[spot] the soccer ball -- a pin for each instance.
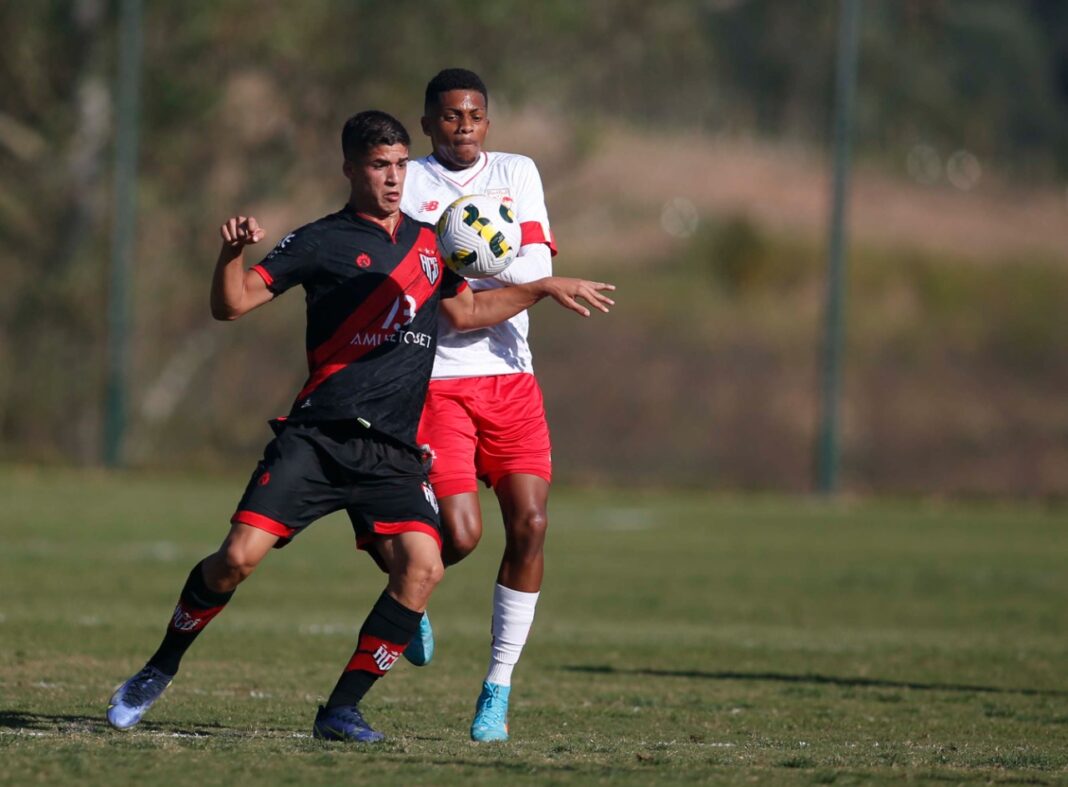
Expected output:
(479, 236)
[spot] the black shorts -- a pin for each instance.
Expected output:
(311, 470)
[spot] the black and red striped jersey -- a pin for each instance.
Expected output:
(372, 307)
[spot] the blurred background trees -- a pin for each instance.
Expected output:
(682, 146)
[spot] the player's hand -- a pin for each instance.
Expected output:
(566, 292)
(240, 231)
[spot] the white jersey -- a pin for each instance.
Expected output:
(514, 180)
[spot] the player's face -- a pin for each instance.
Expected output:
(377, 180)
(457, 128)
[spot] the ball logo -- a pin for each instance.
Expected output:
(479, 236)
(363, 261)
(493, 237)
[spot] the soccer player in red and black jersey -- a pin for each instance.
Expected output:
(374, 281)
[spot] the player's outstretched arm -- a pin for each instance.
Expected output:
(534, 262)
(471, 310)
(234, 290)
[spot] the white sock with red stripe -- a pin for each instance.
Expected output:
(513, 614)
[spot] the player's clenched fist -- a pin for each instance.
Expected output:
(238, 231)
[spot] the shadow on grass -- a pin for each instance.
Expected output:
(827, 680)
(44, 722)
(42, 725)
(66, 724)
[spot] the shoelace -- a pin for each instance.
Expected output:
(353, 716)
(141, 687)
(493, 708)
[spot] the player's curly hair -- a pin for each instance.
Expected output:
(368, 129)
(452, 79)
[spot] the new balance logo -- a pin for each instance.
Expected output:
(428, 206)
(385, 658)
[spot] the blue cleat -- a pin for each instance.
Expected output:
(421, 649)
(344, 723)
(133, 698)
(491, 714)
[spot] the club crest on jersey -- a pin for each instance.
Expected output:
(431, 266)
(501, 195)
(363, 261)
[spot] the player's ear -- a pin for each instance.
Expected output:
(424, 122)
(346, 168)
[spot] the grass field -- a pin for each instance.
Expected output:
(681, 638)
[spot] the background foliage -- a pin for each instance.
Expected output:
(680, 143)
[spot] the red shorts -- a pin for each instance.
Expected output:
(485, 428)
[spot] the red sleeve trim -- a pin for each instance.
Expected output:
(533, 232)
(261, 522)
(267, 278)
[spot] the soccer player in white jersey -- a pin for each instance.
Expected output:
(484, 417)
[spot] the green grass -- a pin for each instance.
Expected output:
(681, 638)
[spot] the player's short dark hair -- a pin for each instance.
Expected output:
(452, 79)
(369, 129)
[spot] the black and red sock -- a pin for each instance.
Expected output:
(197, 605)
(384, 636)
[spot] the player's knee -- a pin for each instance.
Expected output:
(422, 574)
(526, 530)
(435, 573)
(234, 565)
(463, 541)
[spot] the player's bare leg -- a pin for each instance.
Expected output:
(414, 564)
(523, 499)
(461, 523)
(207, 590)
(245, 546)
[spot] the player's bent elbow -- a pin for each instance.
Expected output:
(224, 312)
